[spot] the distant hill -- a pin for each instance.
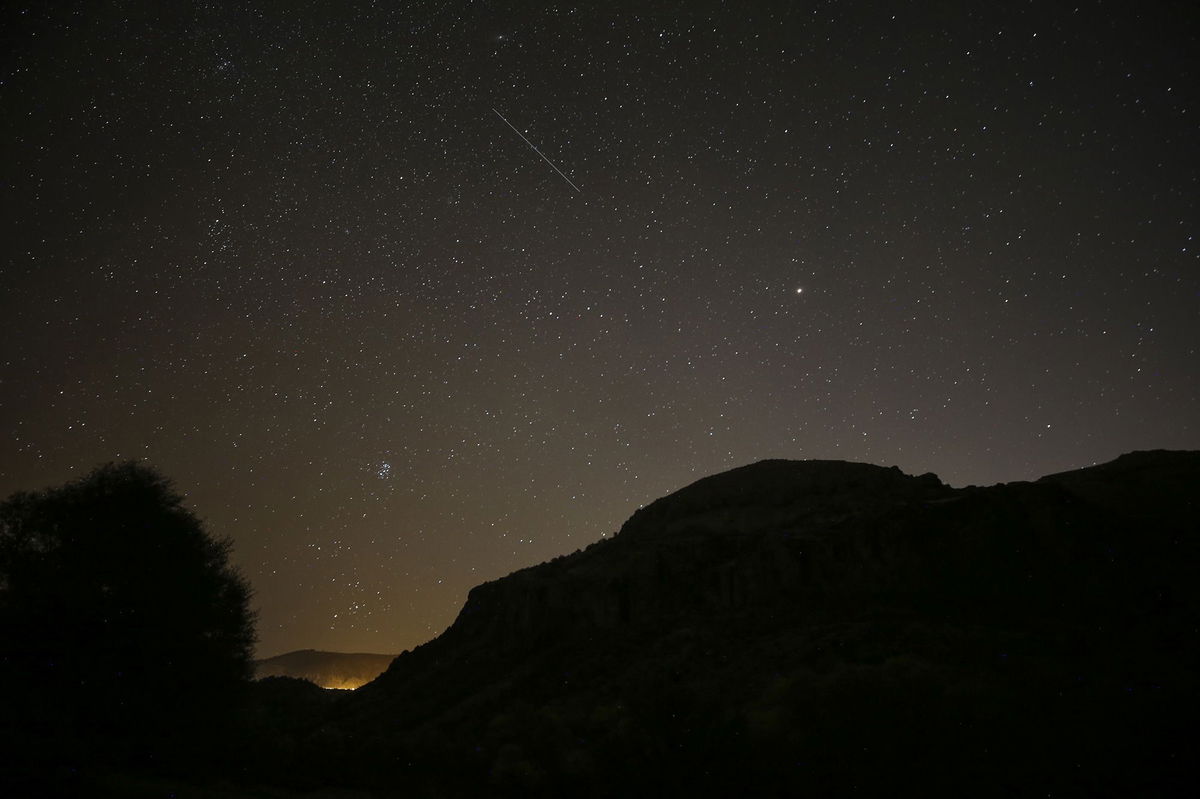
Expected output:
(817, 628)
(346, 670)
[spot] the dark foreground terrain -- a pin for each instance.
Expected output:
(790, 628)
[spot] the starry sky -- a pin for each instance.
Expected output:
(407, 296)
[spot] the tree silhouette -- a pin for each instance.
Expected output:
(124, 630)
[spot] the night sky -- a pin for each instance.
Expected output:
(293, 256)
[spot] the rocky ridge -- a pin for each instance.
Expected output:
(746, 616)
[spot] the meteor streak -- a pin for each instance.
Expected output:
(536, 150)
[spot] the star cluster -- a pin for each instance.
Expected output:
(289, 254)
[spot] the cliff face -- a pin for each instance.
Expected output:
(765, 602)
(746, 538)
(785, 532)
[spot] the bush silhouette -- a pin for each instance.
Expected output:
(125, 633)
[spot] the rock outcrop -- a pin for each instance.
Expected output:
(741, 539)
(795, 531)
(815, 611)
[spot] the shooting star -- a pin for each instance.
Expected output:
(536, 150)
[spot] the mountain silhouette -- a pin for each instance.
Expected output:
(341, 670)
(820, 626)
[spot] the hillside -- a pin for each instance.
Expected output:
(820, 627)
(342, 670)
